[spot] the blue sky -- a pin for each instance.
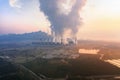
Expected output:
(21, 16)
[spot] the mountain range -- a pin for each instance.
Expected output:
(33, 36)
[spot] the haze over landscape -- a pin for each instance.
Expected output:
(100, 19)
(59, 40)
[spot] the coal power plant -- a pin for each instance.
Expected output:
(36, 38)
(53, 40)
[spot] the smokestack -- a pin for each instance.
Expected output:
(75, 40)
(61, 40)
(53, 34)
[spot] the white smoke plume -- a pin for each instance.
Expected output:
(63, 14)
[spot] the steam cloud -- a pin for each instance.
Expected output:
(63, 14)
(15, 3)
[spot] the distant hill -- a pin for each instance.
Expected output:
(34, 36)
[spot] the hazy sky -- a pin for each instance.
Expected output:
(20, 16)
(101, 18)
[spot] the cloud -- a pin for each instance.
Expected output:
(15, 3)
